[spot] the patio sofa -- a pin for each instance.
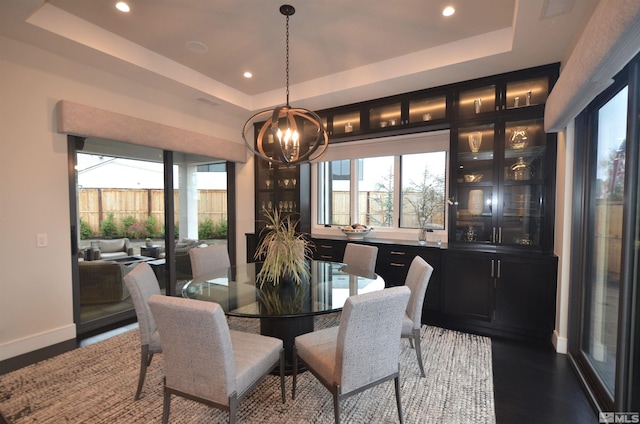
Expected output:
(101, 282)
(110, 249)
(183, 260)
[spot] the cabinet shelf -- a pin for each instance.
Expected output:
(534, 151)
(473, 157)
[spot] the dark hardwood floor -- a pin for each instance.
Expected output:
(534, 384)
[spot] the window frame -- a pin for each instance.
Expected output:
(397, 146)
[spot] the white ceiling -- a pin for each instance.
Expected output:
(341, 51)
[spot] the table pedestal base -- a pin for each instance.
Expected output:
(286, 329)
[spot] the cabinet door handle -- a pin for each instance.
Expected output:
(326, 246)
(499, 273)
(394, 252)
(493, 238)
(500, 235)
(396, 264)
(493, 267)
(326, 257)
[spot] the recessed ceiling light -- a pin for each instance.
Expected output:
(448, 11)
(122, 6)
(196, 47)
(247, 74)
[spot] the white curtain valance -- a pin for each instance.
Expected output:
(609, 41)
(86, 121)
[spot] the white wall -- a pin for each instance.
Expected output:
(35, 283)
(562, 236)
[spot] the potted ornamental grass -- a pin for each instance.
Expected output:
(284, 250)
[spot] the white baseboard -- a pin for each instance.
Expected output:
(560, 343)
(34, 342)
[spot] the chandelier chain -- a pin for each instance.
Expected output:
(287, 72)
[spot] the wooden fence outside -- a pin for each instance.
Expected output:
(95, 204)
(371, 213)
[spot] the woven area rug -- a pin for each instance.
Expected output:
(96, 384)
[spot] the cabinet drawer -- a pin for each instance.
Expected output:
(328, 250)
(393, 264)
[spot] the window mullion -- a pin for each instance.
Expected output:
(397, 178)
(353, 210)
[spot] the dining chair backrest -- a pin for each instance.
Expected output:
(196, 330)
(367, 346)
(361, 256)
(417, 280)
(208, 259)
(142, 284)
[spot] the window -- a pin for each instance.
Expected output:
(334, 205)
(423, 190)
(402, 189)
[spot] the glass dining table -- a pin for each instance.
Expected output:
(287, 310)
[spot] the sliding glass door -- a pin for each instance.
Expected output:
(200, 210)
(133, 204)
(604, 335)
(604, 235)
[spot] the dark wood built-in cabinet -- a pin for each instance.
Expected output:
(392, 264)
(502, 183)
(501, 294)
(496, 274)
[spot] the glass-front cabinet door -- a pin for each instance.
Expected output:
(474, 167)
(276, 189)
(531, 92)
(477, 102)
(345, 124)
(523, 183)
(386, 116)
(500, 184)
(424, 110)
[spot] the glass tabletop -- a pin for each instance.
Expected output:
(236, 290)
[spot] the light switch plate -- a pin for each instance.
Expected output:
(41, 240)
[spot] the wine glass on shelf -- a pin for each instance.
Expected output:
(268, 183)
(286, 182)
(294, 181)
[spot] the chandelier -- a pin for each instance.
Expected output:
(289, 135)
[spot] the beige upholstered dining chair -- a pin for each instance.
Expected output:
(417, 280)
(223, 366)
(362, 352)
(361, 256)
(142, 284)
(208, 259)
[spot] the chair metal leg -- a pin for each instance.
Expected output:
(396, 382)
(145, 361)
(282, 388)
(165, 406)
(416, 338)
(295, 372)
(336, 407)
(233, 409)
